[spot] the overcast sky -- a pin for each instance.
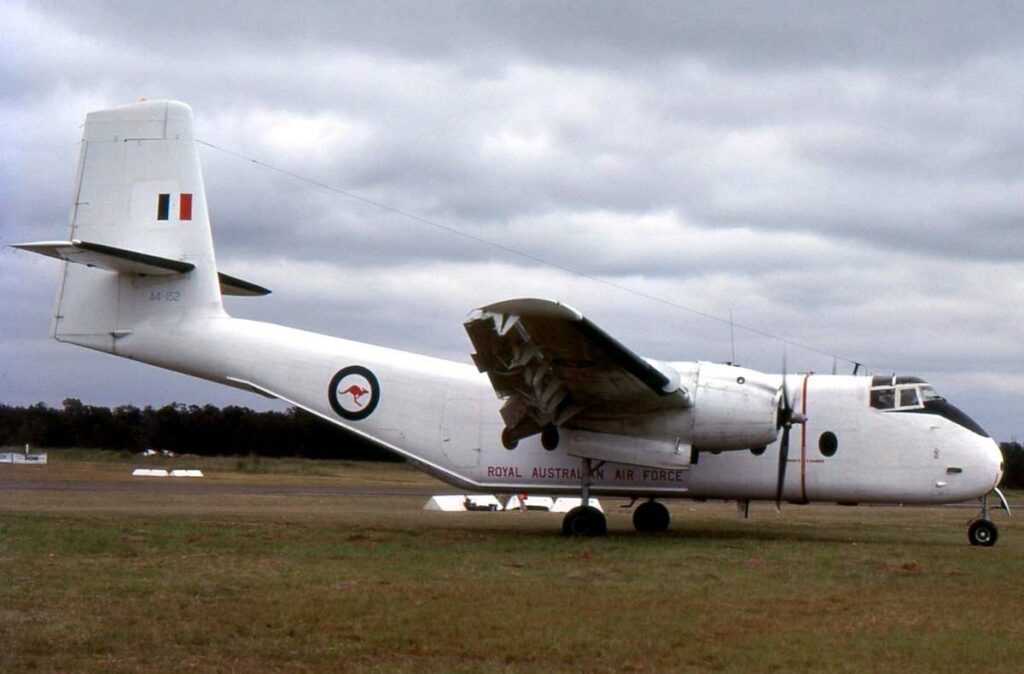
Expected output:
(847, 177)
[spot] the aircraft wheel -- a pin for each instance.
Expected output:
(651, 516)
(507, 440)
(549, 437)
(584, 521)
(983, 532)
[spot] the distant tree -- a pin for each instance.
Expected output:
(1013, 457)
(192, 429)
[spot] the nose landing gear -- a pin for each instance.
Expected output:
(983, 530)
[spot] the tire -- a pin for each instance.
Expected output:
(506, 439)
(983, 533)
(549, 437)
(651, 516)
(584, 521)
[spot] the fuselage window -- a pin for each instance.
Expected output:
(828, 443)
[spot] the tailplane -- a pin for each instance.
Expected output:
(139, 250)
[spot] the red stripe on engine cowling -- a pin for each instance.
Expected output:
(185, 207)
(803, 442)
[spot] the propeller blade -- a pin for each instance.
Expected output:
(785, 406)
(783, 460)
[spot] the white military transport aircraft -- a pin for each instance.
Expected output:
(575, 410)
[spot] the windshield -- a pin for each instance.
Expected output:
(912, 394)
(899, 397)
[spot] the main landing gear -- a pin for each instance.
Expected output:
(651, 516)
(585, 519)
(983, 530)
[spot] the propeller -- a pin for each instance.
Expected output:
(786, 417)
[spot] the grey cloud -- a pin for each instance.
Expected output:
(748, 35)
(845, 176)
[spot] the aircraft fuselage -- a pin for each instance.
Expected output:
(444, 417)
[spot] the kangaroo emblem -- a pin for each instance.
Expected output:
(356, 392)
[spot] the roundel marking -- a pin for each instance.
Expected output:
(354, 392)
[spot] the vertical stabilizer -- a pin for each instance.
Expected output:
(140, 191)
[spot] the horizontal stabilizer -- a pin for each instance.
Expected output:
(133, 262)
(229, 285)
(108, 257)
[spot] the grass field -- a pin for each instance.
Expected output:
(99, 575)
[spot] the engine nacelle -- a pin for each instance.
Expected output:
(734, 407)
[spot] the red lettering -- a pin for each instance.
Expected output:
(503, 471)
(662, 475)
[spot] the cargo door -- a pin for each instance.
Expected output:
(460, 431)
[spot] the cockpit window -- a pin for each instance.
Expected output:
(890, 393)
(905, 396)
(883, 398)
(908, 397)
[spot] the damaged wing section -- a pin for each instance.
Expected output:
(554, 367)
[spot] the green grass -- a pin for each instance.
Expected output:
(126, 581)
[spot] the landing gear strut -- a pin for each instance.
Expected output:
(585, 519)
(651, 516)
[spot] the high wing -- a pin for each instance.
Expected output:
(554, 367)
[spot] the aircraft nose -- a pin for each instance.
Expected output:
(994, 461)
(983, 464)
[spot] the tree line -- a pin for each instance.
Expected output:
(184, 429)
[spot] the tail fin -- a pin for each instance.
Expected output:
(139, 229)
